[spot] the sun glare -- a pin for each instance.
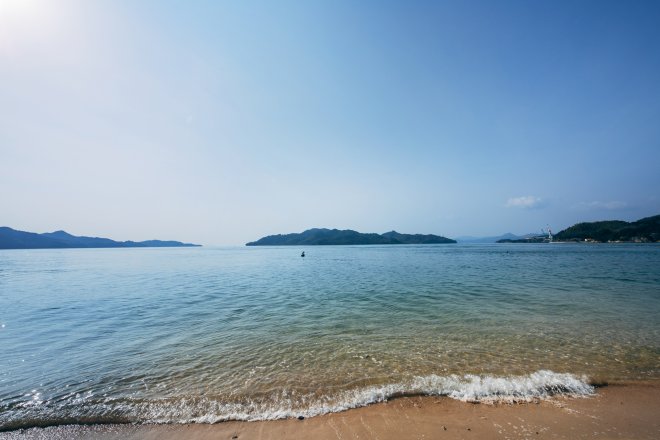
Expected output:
(17, 9)
(25, 22)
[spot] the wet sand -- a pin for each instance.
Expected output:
(615, 412)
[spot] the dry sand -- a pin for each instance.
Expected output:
(616, 412)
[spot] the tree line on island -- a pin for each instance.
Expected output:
(646, 230)
(322, 236)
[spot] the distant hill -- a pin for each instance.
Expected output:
(13, 239)
(643, 230)
(646, 230)
(528, 239)
(507, 236)
(346, 237)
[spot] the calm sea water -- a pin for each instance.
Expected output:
(210, 334)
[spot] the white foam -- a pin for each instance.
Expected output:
(468, 388)
(197, 409)
(539, 385)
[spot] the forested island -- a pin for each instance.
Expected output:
(646, 230)
(322, 236)
(13, 239)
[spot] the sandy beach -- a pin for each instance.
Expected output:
(615, 412)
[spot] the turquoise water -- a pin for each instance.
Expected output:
(211, 334)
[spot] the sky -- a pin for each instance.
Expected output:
(221, 122)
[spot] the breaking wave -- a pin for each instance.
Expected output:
(542, 384)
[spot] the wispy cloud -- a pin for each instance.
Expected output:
(612, 205)
(527, 202)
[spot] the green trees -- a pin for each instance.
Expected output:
(643, 230)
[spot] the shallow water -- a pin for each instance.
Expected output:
(208, 334)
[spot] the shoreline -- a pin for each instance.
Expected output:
(614, 411)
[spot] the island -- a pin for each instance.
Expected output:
(14, 239)
(646, 230)
(322, 236)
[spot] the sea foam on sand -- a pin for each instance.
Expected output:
(282, 405)
(542, 384)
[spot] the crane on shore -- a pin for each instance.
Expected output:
(549, 232)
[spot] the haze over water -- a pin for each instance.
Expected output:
(209, 334)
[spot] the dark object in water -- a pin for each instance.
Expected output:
(301, 417)
(303, 254)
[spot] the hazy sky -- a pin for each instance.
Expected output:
(221, 122)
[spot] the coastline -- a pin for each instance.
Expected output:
(615, 411)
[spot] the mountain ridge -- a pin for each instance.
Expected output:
(15, 239)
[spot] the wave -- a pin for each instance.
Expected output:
(542, 384)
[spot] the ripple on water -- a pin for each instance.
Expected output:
(206, 334)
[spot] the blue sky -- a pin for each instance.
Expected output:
(221, 122)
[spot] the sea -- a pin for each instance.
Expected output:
(204, 335)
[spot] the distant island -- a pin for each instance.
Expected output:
(324, 236)
(13, 239)
(646, 230)
(493, 239)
